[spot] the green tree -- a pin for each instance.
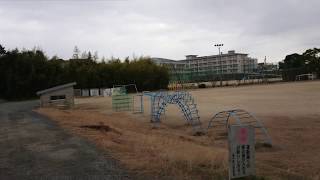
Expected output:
(295, 64)
(26, 72)
(2, 50)
(312, 57)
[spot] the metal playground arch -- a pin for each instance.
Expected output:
(184, 100)
(221, 121)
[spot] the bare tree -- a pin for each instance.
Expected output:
(95, 56)
(84, 55)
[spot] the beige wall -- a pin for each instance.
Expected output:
(68, 92)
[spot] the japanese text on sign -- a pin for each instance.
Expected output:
(241, 151)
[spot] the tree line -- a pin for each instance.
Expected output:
(24, 72)
(296, 64)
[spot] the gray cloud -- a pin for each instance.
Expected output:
(169, 29)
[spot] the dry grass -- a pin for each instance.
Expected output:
(290, 111)
(157, 152)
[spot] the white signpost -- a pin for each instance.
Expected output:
(241, 151)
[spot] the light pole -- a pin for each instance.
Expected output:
(219, 46)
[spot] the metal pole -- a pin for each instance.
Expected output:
(141, 107)
(220, 67)
(220, 74)
(198, 70)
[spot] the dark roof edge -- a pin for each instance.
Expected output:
(56, 88)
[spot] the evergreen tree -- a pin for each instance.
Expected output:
(25, 72)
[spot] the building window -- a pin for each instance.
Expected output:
(59, 97)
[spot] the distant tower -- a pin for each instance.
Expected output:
(265, 60)
(76, 53)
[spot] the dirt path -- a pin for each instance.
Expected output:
(32, 147)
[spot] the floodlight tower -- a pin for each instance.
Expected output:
(219, 46)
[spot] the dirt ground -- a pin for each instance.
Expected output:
(290, 112)
(32, 147)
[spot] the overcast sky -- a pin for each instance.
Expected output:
(161, 28)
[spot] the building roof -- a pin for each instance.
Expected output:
(211, 56)
(192, 57)
(163, 60)
(56, 88)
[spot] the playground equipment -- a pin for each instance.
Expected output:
(138, 103)
(125, 86)
(122, 101)
(160, 100)
(220, 123)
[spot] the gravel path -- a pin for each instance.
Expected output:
(33, 147)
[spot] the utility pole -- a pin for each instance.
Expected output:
(264, 68)
(219, 46)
